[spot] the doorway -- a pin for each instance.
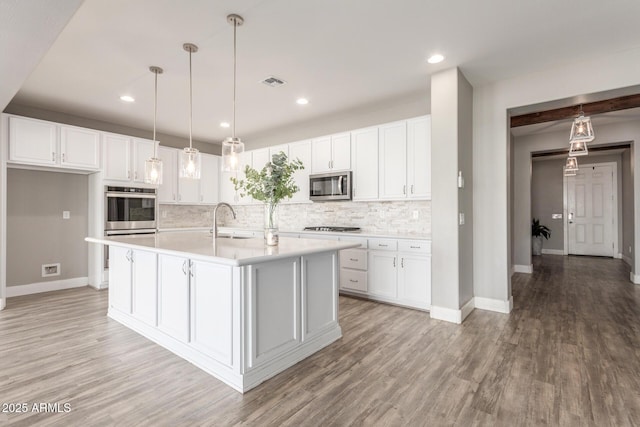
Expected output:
(591, 211)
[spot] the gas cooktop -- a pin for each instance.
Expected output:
(334, 229)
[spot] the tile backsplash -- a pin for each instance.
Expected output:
(372, 217)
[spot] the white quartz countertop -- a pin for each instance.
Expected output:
(199, 245)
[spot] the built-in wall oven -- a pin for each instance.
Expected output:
(129, 210)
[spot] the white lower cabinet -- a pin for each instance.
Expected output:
(173, 290)
(144, 286)
(414, 277)
(382, 266)
(353, 269)
(120, 279)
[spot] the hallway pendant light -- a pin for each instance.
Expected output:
(571, 167)
(153, 165)
(190, 157)
(233, 147)
(581, 133)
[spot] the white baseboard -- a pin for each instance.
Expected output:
(467, 308)
(54, 285)
(618, 256)
(635, 278)
(627, 260)
(3, 303)
(553, 251)
(519, 268)
(490, 304)
(446, 314)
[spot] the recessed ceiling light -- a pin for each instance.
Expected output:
(302, 101)
(127, 98)
(224, 124)
(434, 59)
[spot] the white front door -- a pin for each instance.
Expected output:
(590, 209)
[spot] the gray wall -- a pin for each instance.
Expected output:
(36, 232)
(54, 116)
(547, 195)
(626, 247)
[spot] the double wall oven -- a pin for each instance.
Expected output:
(129, 210)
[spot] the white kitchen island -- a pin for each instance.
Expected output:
(238, 309)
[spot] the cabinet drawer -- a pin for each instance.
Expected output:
(361, 240)
(353, 279)
(383, 244)
(353, 258)
(415, 246)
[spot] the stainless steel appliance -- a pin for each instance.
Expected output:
(334, 229)
(130, 208)
(330, 186)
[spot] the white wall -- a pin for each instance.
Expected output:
(490, 146)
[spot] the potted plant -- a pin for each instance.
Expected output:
(538, 231)
(270, 185)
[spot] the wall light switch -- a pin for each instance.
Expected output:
(66, 214)
(461, 218)
(460, 180)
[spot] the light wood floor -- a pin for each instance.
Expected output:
(569, 354)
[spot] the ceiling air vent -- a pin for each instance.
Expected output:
(273, 81)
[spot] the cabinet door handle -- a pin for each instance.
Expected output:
(382, 246)
(329, 164)
(394, 261)
(135, 175)
(404, 189)
(353, 259)
(53, 156)
(174, 197)
(192, 267)
(353, 281)
(184, 267)
(62, 157)
(128, 174)
(415, 247)
(411, 188)
(402, 262)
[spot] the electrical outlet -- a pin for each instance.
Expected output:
(66, 214)
(50, 270)
(416, 214)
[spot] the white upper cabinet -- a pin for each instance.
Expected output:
(393, 160)
(364, 158)
(278, 148)
(189, 190)
(209, 179)
(331, 153)
(168, 190)
(38, 142)
(79, 147)
(260, 158)
(419, 157)
(302, 151)
(405, 159)
(124, 157)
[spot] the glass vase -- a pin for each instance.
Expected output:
(271, 224)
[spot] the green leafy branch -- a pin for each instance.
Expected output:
(273, 183)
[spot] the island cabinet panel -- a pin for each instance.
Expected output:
(173, 306)
(144, 285)
(274, 307)
(212, 310)
(319, 312)
(120, 279)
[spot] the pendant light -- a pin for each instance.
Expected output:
(190, 157)
(233, 147)
(571, 167)
(581, 133)
(153, 165)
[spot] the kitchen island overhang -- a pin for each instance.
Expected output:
(240, 310)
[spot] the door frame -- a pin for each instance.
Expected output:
(614, 190)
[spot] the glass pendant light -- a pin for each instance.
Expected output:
(153, 165)
(233, 147)
(581, 133)
(571, 167)
(190, 157)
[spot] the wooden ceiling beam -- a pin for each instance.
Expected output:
(591, 108)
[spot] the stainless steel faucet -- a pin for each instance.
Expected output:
(215, 219)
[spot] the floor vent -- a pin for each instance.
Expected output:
(273, 81)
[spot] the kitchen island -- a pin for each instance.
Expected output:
(236, 308)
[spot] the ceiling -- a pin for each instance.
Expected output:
(341, 55)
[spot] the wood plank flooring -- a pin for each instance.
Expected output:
(568, 354)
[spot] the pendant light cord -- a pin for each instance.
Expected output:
(190, 101)
(155, 114)
(233, 130)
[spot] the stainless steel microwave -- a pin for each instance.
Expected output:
(330, 186)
